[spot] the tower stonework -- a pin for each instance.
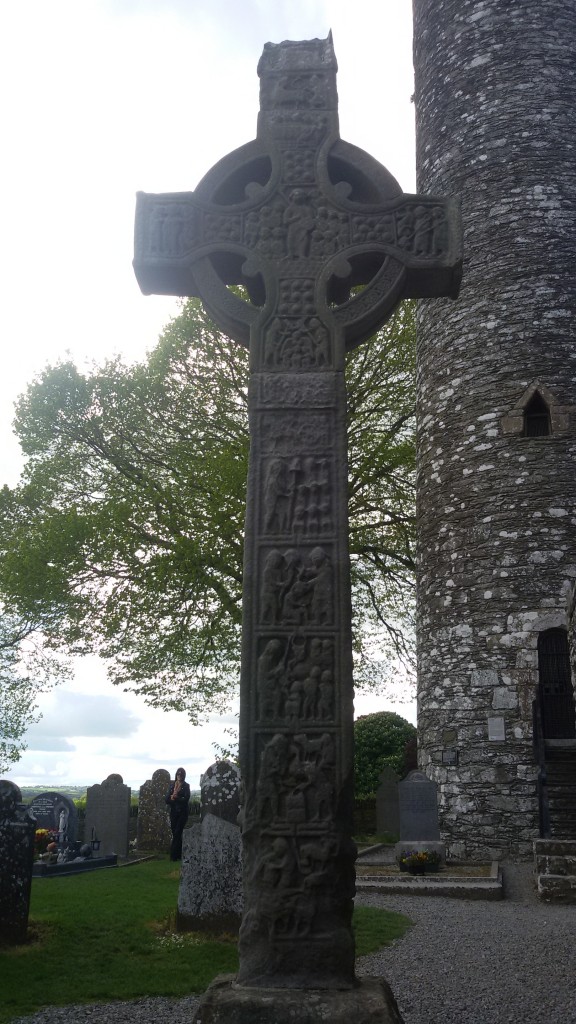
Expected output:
(496, 124)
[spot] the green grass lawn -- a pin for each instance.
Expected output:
(106, 935)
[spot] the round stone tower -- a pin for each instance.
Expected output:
(496, 124)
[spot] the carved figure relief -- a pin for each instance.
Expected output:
(297, 496)
(299, 218)
(264, 229)
(277, 497)
(294, 225)
(297, 344)
(296, 781)
(172, 229)
(283, 432)
(297, 588)
(270, 676)
(325, 705)
(331, 232)
(290, 876)
(273, 765)
(295, 681)
(420, 230)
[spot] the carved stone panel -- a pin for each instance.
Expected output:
(297, 586)
(298, 496)
(295, 680)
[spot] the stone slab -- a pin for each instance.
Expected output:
(153, 828)
(211, 872)
(72, 867)
(555, 847)
(470, 887)
(418, 797)
(557, 888)
(369, 1002)
(108, 815)
(387, 803)
(17, 829)
(429, 886)
(562, 865)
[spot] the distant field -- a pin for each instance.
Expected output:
(73, 792)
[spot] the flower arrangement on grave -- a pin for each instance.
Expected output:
(419, 861)
(42, 838)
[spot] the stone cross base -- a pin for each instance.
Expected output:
(370, 1002)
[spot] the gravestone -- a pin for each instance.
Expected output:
(301, 220)
(210, 890)
(418, 806)
(418, 800)
(387, 803)
(220, 791)
(17, 828)
(153, 831)
(56, 812)
(108, 816)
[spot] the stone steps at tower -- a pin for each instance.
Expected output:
(561, 785)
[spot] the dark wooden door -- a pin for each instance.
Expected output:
(556, 690)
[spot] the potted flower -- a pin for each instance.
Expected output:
(418, 862)
(43, 837)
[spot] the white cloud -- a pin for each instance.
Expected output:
(81, 714)
(38, 743)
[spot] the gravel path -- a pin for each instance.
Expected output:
(463, 962)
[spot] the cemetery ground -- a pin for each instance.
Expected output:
(108, 935)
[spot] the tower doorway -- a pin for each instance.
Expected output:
(556, 692)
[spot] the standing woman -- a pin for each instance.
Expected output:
(178, 800)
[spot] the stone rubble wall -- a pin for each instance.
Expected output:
(496, 124)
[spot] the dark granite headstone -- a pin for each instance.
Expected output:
(56, 812)
(418, 798)
(108, 816)
(153, 830)
(17, 828)
(220, 791)
(324, 244)
(387, 803)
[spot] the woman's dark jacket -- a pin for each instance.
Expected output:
(182, 800)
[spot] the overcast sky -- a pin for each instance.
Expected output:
(102, 98)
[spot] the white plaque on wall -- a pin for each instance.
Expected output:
(496, 729)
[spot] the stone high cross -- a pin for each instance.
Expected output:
(324, 244)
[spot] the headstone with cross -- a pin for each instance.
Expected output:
(323, 244)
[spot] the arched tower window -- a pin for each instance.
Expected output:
(538, 413)
(556, 691)
(536, 417)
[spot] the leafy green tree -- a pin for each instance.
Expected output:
(380, 739)
(124, 536)
(26, 670)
